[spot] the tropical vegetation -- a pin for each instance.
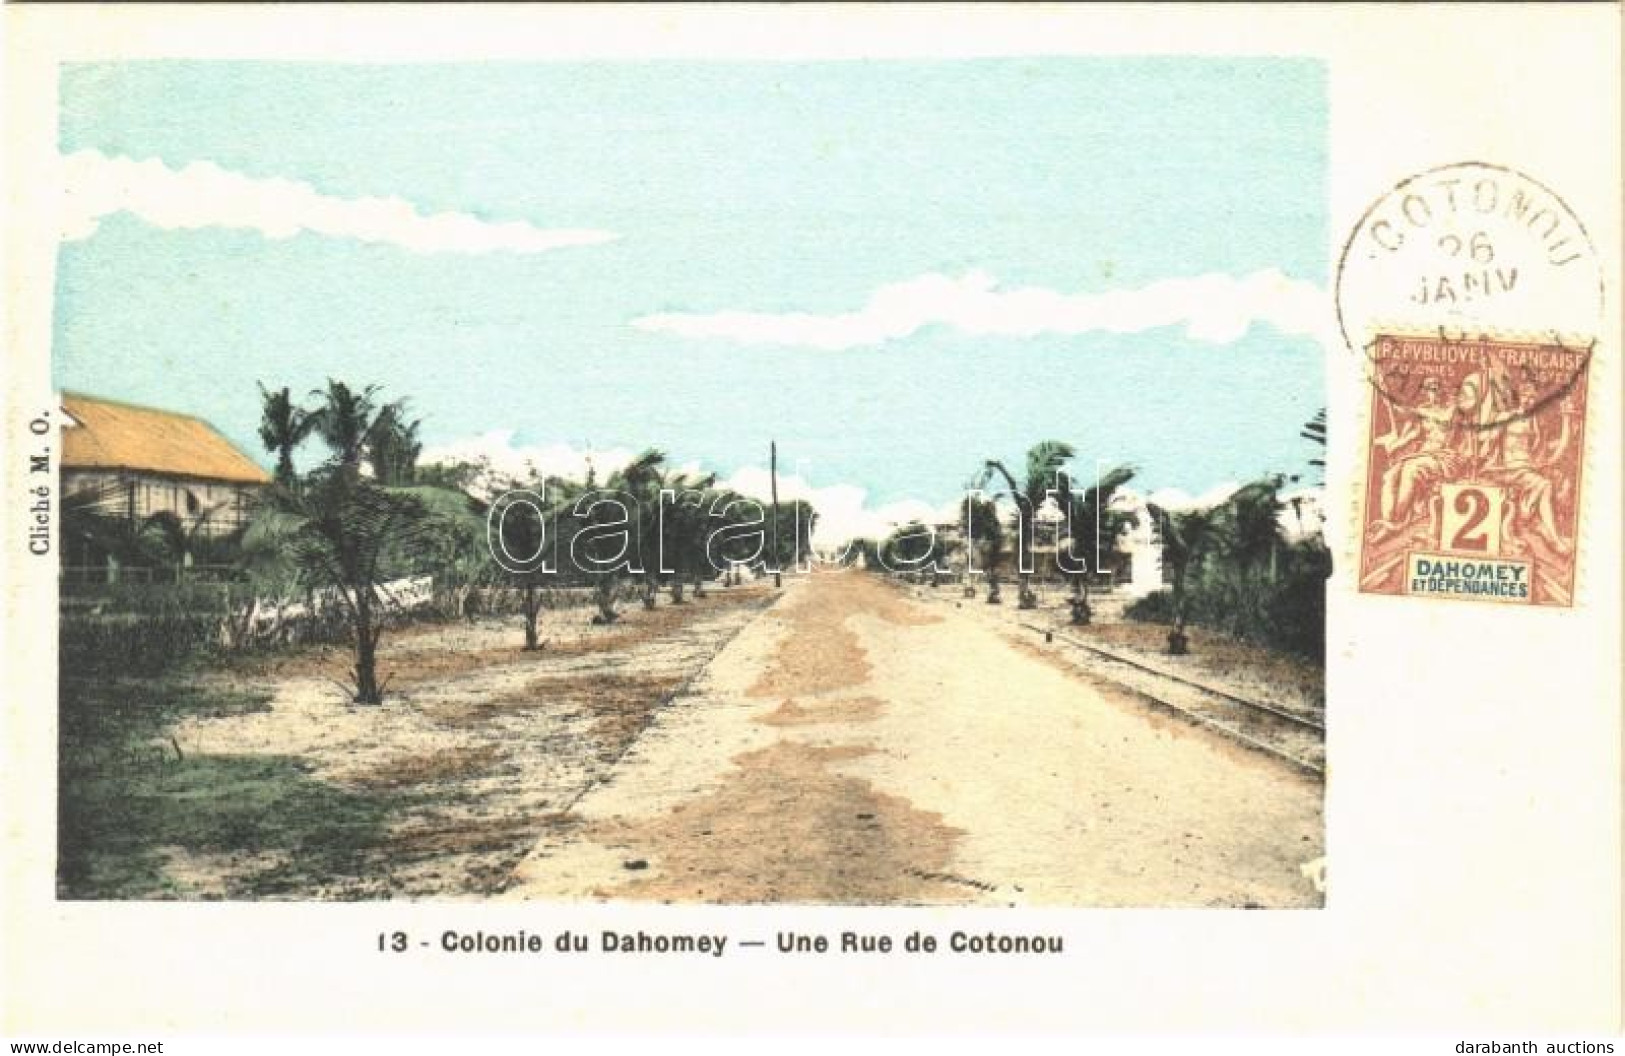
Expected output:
(1227, 565)
(330, 539)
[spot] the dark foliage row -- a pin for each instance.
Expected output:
(1286, 612)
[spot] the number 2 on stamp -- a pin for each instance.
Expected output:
(1469, 509)
(1472, 518)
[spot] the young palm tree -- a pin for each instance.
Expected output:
(1252, 543)
(536, 535)
(642, 480)
(283, 427)
(693, 524)
(1253, 516)
(598, 507)
(100, 520)
(1044, 463)
(984, 534)
(99, 523)
(526, 526)
(682, 526)
(911, 547)
(529, 541)
(453, 543)
(725, 510)
(340, 529)
(1095, 530)
(174, 541)
(1187, 537)
(668, 532)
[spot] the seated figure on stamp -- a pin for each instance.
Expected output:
(1430, 434)
(1519, 459)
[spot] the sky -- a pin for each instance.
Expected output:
(896, 270)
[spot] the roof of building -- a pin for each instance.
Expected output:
(111, 435)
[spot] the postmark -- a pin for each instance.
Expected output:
(1472, 295)
(1469, 249)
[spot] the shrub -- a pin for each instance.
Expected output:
(141, 644)
(141, 629)
(1155, 607)
(1287, 613)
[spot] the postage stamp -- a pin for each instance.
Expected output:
(1474, 465)
(1472, 294)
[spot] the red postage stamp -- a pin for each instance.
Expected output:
(1473, 470)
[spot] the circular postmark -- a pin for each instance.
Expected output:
(1464, 258)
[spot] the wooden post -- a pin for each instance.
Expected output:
(773, 483)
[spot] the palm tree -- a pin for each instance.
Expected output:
(395, 447)
(1095, 525)
(529, 515)
(1251, 528)
(283, 427)
(341, 530)
(1188, 536)
(683, 526)
(1253, 513)
(643, 479)
(174, 541)
(348, 421)
(1314, 431)
(714, 547)
(1044, 463)
(695, 520)
(984, 533)
(592, 513)
(452, 542)
(912, 547)
(735, 548)
(525, 536)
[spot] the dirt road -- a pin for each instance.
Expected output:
(286, 791)
(852, 746)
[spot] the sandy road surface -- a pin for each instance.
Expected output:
(853, 746)
(479, 748)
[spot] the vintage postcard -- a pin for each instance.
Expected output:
(512, 499)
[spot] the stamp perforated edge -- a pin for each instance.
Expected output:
(1360, 468)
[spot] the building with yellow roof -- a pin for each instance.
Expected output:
(143, 461)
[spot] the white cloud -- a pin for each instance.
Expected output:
(1177, 500)
(843, 509)
(1301, 516)
(1214, 308)
(496, 449)
(205, 195)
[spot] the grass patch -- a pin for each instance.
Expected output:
(119, 830)
(130, 805)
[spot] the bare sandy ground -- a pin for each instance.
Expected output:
(1291, 683)
(855, 747)
(478, 749)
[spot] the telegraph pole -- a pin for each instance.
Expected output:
(773, 484)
